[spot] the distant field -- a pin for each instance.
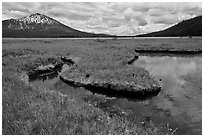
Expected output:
(143, 43)
(31, 110)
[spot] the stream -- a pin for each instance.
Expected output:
(178, 105)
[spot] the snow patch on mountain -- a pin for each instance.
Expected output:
(34, 21)
(37, 19)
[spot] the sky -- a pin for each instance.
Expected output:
(115, 18)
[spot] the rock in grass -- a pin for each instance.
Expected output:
(129, 81)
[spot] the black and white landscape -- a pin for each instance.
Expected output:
(101, 68)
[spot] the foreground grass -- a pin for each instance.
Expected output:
(36, 111)
(27, 109)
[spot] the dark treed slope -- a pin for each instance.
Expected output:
(191, 27)
(40, 26)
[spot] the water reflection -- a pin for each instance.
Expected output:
(181, 96)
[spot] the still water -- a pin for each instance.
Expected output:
(181, 95)
(178, 105)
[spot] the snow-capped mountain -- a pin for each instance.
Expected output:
(37, 19)
(34, 21)
(39, 25)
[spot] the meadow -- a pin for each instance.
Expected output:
(30, 109)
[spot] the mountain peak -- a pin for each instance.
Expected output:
(37, 14)
(37, 18)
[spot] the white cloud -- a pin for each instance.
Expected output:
(112, 18)
(165, 19)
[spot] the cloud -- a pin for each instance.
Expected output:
(123, 18)
(72, 15)
(142, 23)
(165, 19)
(156, 12)
(131, 16)
(193, 11)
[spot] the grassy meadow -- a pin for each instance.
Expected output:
(29, 109)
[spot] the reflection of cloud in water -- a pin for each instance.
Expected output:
(140, 63)
(166, 65)
(170, 70)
